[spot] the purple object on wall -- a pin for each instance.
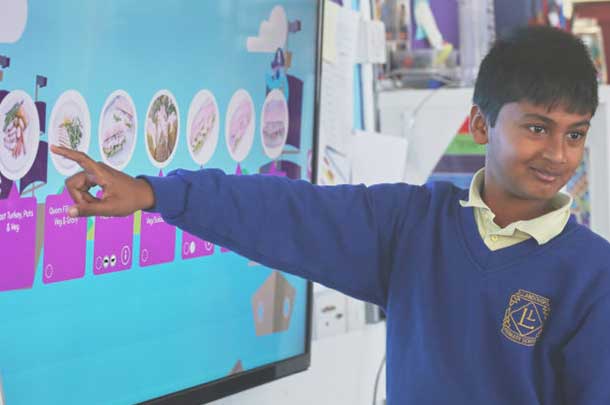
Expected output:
(271, 169)
(5, 187)
(193, 247)
(113, 247)
(293, 170)
(295, 107)
(446, 15)
(65, 241)
(157, 239)
(18, 241)
(41, 81)
(38, 171)
(460, 164)
(290, 169)
(41, 107)
(513, 14)
(3, 93)
(294, 26)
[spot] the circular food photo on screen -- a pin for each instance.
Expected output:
(70, 126)
(202, 127)
(239, 125)
(118, 129)
(274, 124)
(162, 128)
(19, 134)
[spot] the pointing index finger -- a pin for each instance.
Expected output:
(82, 159)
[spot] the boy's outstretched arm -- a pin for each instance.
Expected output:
(343, 236)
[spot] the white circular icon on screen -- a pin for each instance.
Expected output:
(70, 126)
(202, 127)
(125, 254)
(274, 124)
(239, 125)
(48, 271)
(144, 255)
(19, 134)
(118, 129)
(162, 128)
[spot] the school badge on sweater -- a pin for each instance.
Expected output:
(525, 316)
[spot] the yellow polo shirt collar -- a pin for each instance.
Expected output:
(542, 229)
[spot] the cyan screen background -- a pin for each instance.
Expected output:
(145, 332)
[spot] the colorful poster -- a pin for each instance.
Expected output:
(578, 188)
(462, 159)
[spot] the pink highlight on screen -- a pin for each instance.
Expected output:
(157, 239)
(65, 241)
(193, 247)
(273, 171)
(17, 241)
(274, 127)
(203, 124)
(113, 249)
(239, 123)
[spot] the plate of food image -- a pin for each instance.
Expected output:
(118, 129)
(70, 126)
(202, 127)
(162, 128)
(19, 134)
(239, 125)
(274, 124)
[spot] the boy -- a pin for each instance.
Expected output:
(493, 295)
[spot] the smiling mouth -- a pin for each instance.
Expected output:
(544, 176)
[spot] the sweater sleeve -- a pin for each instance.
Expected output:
(586, 358)
(341, 236)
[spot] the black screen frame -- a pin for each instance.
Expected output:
(242, 381)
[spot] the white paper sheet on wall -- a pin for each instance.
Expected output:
(335, 168)
(329, 27)
(337, 93)
(377, 158)
(372, 42)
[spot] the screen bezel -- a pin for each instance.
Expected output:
(242, 381)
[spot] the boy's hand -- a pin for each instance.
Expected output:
(122, 194)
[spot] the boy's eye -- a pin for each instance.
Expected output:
(575, 136)
(537, 129)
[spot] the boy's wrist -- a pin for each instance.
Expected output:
(145, 194)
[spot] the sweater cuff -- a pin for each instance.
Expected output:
(170, 194)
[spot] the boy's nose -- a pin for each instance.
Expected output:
(555, 149)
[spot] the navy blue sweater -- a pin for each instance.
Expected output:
(526, 324)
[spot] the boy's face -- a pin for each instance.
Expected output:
(532, 151)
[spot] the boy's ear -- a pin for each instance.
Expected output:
(478, 125)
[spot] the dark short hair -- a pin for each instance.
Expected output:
(541, 65)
